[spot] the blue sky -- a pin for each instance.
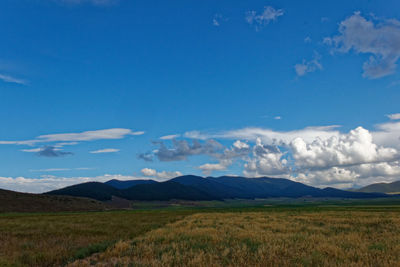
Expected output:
(256, 88)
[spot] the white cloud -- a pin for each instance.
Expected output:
(308, 66)
(269, 136)
(258, 20)
(395, 116)
(355, 148)
(380, 40)
(164, 175)
(72, 138)
(49, 182)
(277, 118)
(105, 150)
(266, 160)
(387, 134)
(34, 150)
(115, 133)
(208, 168)
(307, 39)
(319, 156)
(169, 137)
(10, 79)
(218, 19)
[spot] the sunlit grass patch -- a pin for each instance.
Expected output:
(326, 238)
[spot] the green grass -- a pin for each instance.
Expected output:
(58, 238)
(49, 239)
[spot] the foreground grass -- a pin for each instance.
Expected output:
(267, 238)
(58, 238)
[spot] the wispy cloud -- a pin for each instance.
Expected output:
(308, 66)
(395, 116)
(10, 79)
(169, 137)
(72, 138)
(105, 150)
(218, 19)
(264, 18)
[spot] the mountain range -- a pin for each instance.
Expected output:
(387, 188)
(190, 187)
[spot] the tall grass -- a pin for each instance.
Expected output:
(290, 238)
(58, 238)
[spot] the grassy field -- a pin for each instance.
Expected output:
(58, 238)
(265, 238)
(243, 234)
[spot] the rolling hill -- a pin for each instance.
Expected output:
(126, 184)
(190, 187)
(381, 188)
(11, 201)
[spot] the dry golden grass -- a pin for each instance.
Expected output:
(327, 238)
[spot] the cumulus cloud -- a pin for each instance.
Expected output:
(308, 66)
(164, 175)
(379, 39)
(266, 160)
(261, 19)
(321, 156)
(181, 149)
(10, 79)
(105, 150)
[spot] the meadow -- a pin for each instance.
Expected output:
(267, 235)
(55, 239)
(264, 238)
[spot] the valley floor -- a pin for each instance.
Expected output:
(265, 236)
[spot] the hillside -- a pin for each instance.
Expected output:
(192, 187)
(93, 190)
(11, 201)
(126, 184)
(145, 191)
(381, 188)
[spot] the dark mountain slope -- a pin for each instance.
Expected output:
(151, 191)
(165, 191)
(268, 187)
(192, 187)
(381, 188)
(126, 184)
(333, 192)
(11, 201)
(211, 186)
(94, 190)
